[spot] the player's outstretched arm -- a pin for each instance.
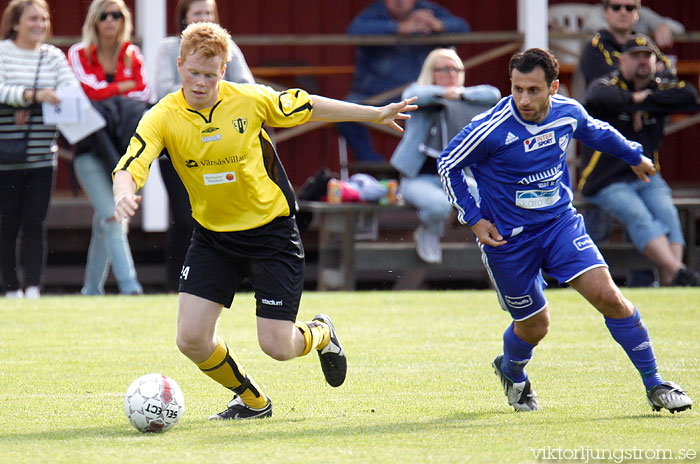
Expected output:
(330, 110)
(126, 202)
(644, 169)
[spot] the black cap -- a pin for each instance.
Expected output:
(639, 43)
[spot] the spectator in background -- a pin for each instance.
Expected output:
(601, 56)
(110, 69)
(169, 80)
(444, 107)
(602, 52)
(650, 23)
(30, 73)
(646, 209)
(382, 68)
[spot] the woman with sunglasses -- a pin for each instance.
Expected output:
(167, 81)
(110, 69)
(30, 72)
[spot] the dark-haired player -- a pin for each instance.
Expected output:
(525, 222)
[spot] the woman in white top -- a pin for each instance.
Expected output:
(30, 73)
(168, 80)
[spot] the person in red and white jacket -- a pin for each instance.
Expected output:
(105, 62)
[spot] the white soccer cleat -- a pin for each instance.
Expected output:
(520, 395)
(670, 396)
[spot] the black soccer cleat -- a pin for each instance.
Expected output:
(238, 410)
(333, 361)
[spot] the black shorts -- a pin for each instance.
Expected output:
(270, 256)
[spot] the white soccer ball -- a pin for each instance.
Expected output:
(154, 403)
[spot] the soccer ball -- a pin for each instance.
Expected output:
(154, 403)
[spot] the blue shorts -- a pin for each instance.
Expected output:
(561, 248)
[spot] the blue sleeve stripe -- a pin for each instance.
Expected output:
(451, 197)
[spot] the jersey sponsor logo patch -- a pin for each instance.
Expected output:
(211, 138)
(550, 175)
(224, 160)
(240, 124)
(191, 163)
(518, 301)
(210, 129)
(511, 138)
(583, 242)
(535, 199)
(539, 141)
(219, 178)
(268, 302)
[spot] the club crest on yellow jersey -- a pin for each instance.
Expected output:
(240, 124)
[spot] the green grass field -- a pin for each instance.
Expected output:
(419, 388)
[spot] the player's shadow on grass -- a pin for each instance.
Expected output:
(245, 430)
(257, 429)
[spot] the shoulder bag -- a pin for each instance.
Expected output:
(15, 150)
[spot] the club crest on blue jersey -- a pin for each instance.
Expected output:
(539, 141)
(564, 142)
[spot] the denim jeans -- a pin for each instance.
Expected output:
(425, 192)
(108, 243)
(646, 209)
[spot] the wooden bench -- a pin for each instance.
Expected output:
(687, 202)
(342, 258)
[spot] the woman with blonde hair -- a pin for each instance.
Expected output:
(110, 69)
(444, 107)
(30, 73)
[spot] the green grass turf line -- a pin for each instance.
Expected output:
(419, 387)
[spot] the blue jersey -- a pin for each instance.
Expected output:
(520, 167)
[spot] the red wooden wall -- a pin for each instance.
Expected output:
(302, 156)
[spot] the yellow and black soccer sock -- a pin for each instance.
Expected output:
(316, 334)
(223, 367)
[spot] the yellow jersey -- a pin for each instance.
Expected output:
(225, 159)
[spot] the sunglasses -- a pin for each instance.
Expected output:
(448, 69)
(116, 15)
(617, 7)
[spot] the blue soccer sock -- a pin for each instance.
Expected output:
(516, 354)
(631, 333)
